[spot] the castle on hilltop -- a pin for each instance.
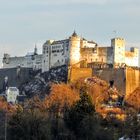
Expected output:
(76, 52)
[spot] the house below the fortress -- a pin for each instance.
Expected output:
(76, 51)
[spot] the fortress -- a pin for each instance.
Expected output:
(76, 52)
(82, 58)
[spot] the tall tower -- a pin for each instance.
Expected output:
(74, 49)
(118, 45)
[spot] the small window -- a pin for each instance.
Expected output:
(94, 50)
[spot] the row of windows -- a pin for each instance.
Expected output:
(56, 47)
(60, 60)
(95, 60)
(57, 51)
(46, 49)
(54, 51)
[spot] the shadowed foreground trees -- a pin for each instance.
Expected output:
(84, 122)
(29, 124)
(6, 110)
(132, 124)
(43, 120)
(2, 124)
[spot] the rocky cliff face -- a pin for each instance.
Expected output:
(40, 84)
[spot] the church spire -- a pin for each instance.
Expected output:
(35, 50)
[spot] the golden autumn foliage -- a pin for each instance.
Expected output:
(100, 92)
(4, 106)
(133, 99)
(95, 87)
(61, 96)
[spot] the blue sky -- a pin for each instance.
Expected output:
(26, 22)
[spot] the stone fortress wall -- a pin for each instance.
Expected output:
(126, 79)
(132, 79)
(16, 76)
(77, 73)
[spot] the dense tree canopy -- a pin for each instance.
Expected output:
(60, 98)
(72, 112)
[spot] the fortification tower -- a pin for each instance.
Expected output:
(135, 58)
(118, 45)
(74, 50)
